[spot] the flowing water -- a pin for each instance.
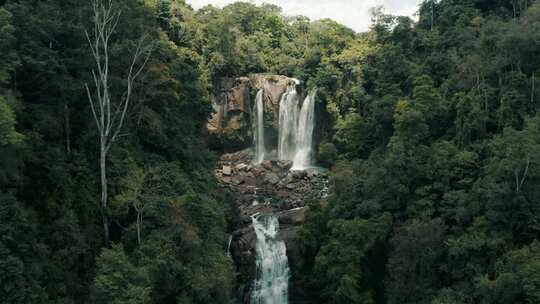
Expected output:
(272, 280)
(259, 127)
(304, 135)
(288, 123)
(296, 128)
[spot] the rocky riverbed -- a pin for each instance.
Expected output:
(270, 187)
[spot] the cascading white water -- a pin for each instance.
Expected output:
(304, 135)
(272, 280)
(296, 128)
(259, 127)
(288, 122)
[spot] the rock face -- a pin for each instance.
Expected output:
(266, 188)
(233, 102)
(274, 86)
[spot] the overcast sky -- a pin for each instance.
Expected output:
(353, 13)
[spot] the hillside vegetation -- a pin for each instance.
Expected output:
(431, 131)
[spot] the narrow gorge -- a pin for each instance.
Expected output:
(268, 123)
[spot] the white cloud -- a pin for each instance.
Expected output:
(353, 13)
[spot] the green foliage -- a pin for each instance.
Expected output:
(353, 136)
(118, 280)
(327, 154)
(341, 265)
(413, 275)
(9, 58)
(48, 164)
(8, 135)
(431, 130)
(443, 134)
(21, 271)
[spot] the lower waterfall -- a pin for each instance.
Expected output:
(304, 135)
(259, 128)
(272, 279)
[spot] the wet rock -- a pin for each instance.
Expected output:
(293, 217)
(244, 239)
(271, 178)
(291, 186)
(237, 180)
(288, 179)
(285, 165)
(274, 86)
(250, 180)
(299, 174)
(232, 102)
(267, 164)
(243, 156)
(260, 189)
(241, 167)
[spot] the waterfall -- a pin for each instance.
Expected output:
(296, 128)
(288, 122)
(304, 135)
(272, 280)
(259, 127)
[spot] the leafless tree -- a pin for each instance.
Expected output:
(520, 174)
(109, 115)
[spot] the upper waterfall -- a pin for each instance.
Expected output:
(304, 136)
(259, 128)
(288, 123)
(296, 128)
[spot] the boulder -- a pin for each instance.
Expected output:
(237, 180)
(291, 186)
(312, 174)
(267, 164)
(243, 156)
(285, 165)
(271, 178)
(241, 167)
(288, 179)
(244, 239)
(225, 179)
(250, 179)
(299, 174)
(293, 217)
(227, 170)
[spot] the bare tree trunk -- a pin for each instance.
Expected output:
(432, 14)
(533, 108)
(104, 190)
(520, 180)
(67, 128)
(139, 224)
(139, 207)
(108, 116)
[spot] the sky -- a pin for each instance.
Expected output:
(352, 13)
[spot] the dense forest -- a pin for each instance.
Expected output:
(431, 132)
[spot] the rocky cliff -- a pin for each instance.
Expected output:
(266, 188)
(230, 127)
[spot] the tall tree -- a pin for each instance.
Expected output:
(109, 115)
